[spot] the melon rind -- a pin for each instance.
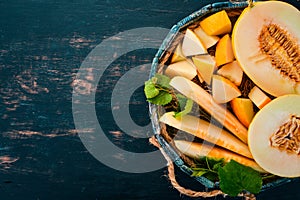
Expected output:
(246, 45)
(264, 124)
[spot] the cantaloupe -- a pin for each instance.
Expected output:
(274, 136)
(243, 109)
(224, 52)
(266, 43)
(217, 24)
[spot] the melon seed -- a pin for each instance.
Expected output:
(287, 138)
(282, 50)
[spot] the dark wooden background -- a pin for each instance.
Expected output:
(42, 46)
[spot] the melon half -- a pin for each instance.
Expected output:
(274, 136)
(266, 43)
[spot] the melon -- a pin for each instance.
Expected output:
(223, 90)
(243, 109)
(177, 55)
(217, 24)
(182, 68)
(274, 136)
(199, 150)
(266, 43)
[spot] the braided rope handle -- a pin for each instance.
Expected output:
(185, 191)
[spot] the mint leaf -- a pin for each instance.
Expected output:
(150, 90)
(181, 100)
(208, 167)
(162, 80)
(214, 163)
(199, 171)
(158, 91)
(163, 98)
(234, 178)
(187, 108)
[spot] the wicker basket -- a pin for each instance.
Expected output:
(162, 134)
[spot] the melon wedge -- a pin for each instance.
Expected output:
(224, 53)
(266, 43)
(217, 24)
(258, 97)
(243, 109)
(207, 40)
(181, 68)
(193, 91)
(192, 45)
(223, 90)
(177, 55)
(233, 72)
(206, 131)
(198, 150)
(206, 66)
(272, 131)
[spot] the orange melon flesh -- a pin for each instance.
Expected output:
(246, 45)
(217, 24)
(198, 150)
(243, 109)
(267, 122)
(224, 51)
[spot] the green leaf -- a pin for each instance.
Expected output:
(209, 166)
(199, 172)
(214, 163)
(234, 178)
(181, 101)
(187, 109)
(162, 80)
(163, 98)
(150, 90)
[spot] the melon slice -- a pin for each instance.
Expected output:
(207, 40)
(243, 109)
(198, 150)
(206, 131)
(177, 55)
(274, 136)
(223, 90)
(217, 24)
(258, 97)
(181, 68)
(233, 72)
(266, 43)
(193, 91)
(224, 53)
(192, 45)
(206, 66)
